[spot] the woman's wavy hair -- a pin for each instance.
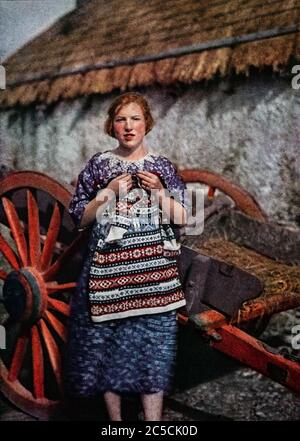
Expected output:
(122, 100)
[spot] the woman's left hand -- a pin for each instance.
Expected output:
(150, 181)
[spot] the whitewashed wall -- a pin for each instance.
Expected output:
(249, 133)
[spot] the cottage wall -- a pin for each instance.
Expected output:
(247, 130)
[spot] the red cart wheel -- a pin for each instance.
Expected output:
(40, 250)
(243, 200)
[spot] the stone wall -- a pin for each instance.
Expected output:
(247, 129)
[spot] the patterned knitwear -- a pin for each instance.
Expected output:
(134, 267)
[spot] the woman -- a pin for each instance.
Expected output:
(123, 319)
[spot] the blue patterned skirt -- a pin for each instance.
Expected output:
(130, 355)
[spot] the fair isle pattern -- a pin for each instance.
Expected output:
(130, 291)
(116, 282)
(135, 307)
(154, 288)
(122, 269)
(134, 254)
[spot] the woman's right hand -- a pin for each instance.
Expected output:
(121, 183)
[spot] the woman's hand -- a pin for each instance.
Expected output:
(122, 182)
(150, 181)
(172, 210)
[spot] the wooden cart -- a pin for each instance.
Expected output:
(42, 255)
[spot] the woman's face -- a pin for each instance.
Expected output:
(129, 126)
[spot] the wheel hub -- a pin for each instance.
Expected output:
(25, 295)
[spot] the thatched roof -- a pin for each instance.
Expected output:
(102, 46)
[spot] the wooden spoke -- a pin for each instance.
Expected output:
(34, 208)
(18, 357)
(51, 238)
(57, 305)
(54, 287)
(33, 230)
(8, 253)
(16, 229)
(211, 192)
(244, 201)
(53, 351)
(3, 274)
(57, 325)
(62, 259)
(37, 363)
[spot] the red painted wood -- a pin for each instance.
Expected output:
(209, 320)
(34, 179)
(262, 306)
(22, 398)
(56, 325)
(57, 305)
(29, 398)
(243, 200)
(63, 258)
(53, 351)
(53, 287)
(253, 353)
(51, 238)
(33, 230)
(211, 192)
(29, 297)
(16, 229)
(37, 364)
(18, 357)
(268, 305)
(3, 274)
(8, 253)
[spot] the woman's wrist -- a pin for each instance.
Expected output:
(106, 194)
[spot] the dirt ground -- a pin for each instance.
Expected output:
(215, 387)
(241, 395)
